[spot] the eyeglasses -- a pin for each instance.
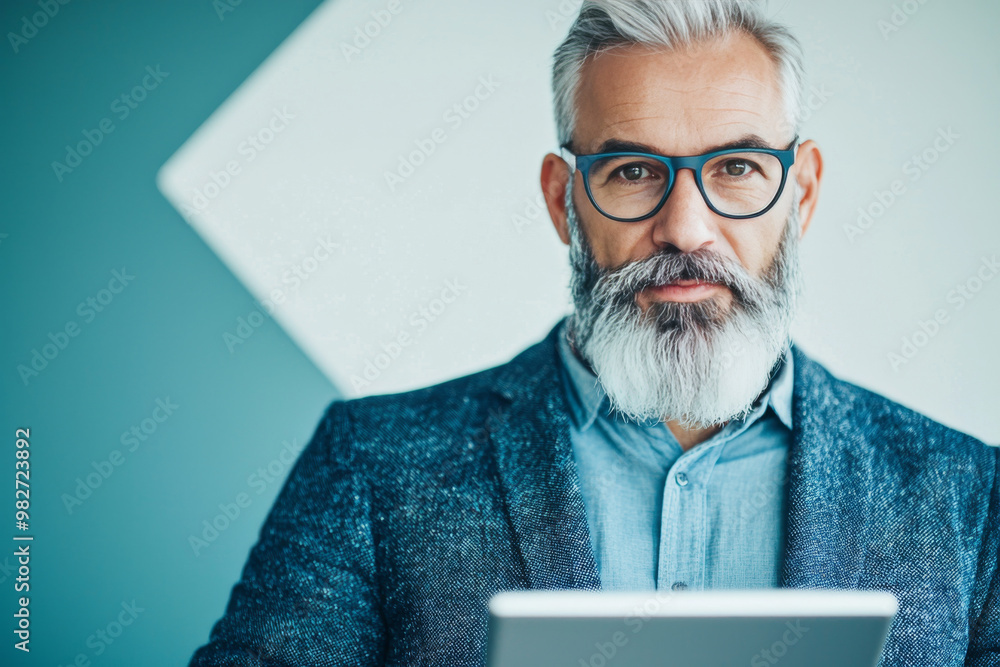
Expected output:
(736, 183)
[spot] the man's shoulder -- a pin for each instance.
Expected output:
(423, 406)
(883, 424)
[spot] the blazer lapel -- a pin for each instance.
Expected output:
(828, 485)
(827, 491)
(538, 476)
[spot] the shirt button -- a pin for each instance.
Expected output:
(678, 586)
(681, 479)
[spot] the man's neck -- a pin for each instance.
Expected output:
(689, 437)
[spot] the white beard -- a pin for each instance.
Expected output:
(693, 363)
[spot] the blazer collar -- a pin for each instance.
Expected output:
(827, 487)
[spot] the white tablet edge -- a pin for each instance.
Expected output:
(730, 603)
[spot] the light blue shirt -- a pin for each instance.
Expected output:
(660, 517)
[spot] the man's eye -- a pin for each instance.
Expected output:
(737, 168)
(634, 172)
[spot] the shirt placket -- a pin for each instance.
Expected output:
(681, 559)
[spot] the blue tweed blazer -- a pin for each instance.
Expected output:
(405, 513)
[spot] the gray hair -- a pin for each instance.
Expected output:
(668, 24)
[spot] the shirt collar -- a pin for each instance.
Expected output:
(587, 397)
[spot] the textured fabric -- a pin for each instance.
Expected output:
(405, 513)
(660, 517)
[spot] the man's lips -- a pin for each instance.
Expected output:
(683, 291)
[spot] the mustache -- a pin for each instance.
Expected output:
(620, 285)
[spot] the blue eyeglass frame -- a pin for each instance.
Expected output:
(583, 163)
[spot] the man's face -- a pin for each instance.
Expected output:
(683, 315)
(684, 102)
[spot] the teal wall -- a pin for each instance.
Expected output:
(160, 337)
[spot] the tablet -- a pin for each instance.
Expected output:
(753, 628)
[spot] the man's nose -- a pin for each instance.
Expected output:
(685, 221)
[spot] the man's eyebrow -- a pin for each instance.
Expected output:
(623, 146)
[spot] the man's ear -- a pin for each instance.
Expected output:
(555, 177)
(808, 174)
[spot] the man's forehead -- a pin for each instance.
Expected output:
(681, 100)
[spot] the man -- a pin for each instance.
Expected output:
(666, 435)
